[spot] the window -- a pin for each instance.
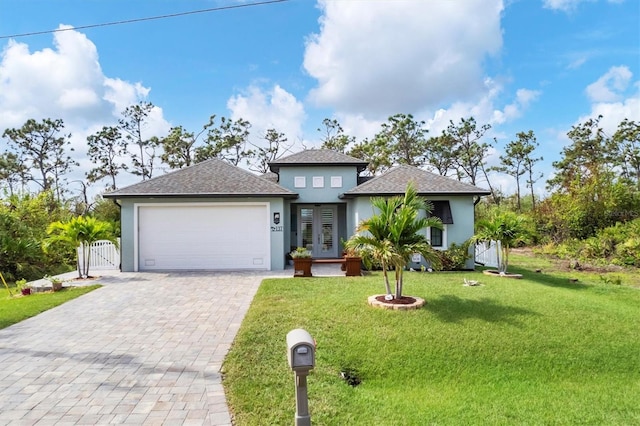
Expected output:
(336, 181)
(300, 182)
(436, 237)
(441, 210)
(318, 181)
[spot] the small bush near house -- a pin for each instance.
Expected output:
(455, 257)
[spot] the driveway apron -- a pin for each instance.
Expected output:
(146, 348)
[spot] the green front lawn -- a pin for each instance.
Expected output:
(18, 308)
(539, 350)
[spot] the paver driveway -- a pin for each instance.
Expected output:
(144, 349)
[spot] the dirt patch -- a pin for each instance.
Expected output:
(89, 278)
(566, 265)
(574, 265)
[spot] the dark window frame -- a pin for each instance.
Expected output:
(436, 240)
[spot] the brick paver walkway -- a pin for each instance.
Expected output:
(144, 349)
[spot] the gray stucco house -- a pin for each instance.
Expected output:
(215, 216)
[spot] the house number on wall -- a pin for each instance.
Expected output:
(276, 222)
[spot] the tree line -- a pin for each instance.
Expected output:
(38, 152)
(595, 185)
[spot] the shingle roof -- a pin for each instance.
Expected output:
(209, 178)
(270, 176)
(318, 157)
(395, 180)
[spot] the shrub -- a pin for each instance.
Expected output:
(455, 257)
(628, 253)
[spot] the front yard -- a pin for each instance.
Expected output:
(18, 308)
(540, 350)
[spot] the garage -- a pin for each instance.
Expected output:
(203, 236)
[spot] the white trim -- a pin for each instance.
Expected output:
(136, 228)
(336, 181)
(300, 182)
(318, 181)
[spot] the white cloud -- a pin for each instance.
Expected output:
(514, 110)
(485, 109)
(615, 98)
(265, 109)
(564, 5)
(358, 126)
(610, 87)
(121, 93)
(382, 58)
(569, 5)
(66, 82)
(577, 62)
(614, 112)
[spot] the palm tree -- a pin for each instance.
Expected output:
(393, 235)
(81, 231)
(506, 227)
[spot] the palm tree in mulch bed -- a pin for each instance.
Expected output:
(508, 228)
(393, 235)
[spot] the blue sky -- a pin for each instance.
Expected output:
(519, 65)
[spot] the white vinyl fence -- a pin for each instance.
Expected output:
(487, 254)
(104, 255)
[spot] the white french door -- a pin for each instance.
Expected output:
(318, 230)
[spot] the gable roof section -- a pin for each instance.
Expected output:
(210, 178)
(318, 157)
(394, 182)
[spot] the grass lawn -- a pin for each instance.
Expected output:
(18, 308)
(540, 350)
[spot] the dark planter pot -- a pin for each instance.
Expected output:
(25, 291)
(352, 266)
(56, 286)
(302, 267)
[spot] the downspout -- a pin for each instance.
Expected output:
(115, 201)
(475, 203)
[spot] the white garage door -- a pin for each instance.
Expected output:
(207, 237)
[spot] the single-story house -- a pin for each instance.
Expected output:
(216, 216)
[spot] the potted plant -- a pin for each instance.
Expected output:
(21, 284)
(352, 262)
(56, 283)
(301, 262)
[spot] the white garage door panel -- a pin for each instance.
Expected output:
(203, 237)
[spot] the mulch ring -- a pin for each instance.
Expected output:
(403, 303)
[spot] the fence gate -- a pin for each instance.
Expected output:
(103, 255)
(488, 254)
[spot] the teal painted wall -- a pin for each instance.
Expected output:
(462, 210)
(325, 194)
